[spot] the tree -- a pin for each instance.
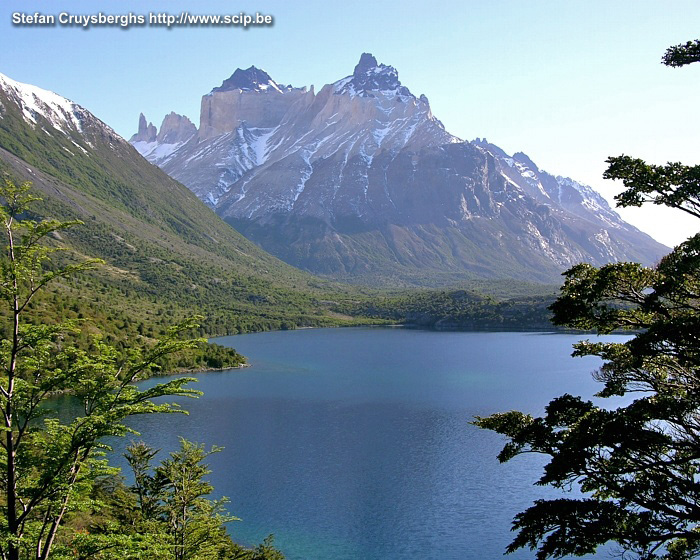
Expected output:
(166, 514)
(147, 488)
(45, 462)
(638, 466)
(177, 499)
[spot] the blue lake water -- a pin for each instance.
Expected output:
(356, 443)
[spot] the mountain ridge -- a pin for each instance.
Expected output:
(361, 180)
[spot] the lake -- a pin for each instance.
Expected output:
(356, 443)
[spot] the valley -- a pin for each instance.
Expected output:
(169, 257)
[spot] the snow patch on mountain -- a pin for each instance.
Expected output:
(155, 152)
(34, 102)
(259, 144)
(305, 176)
(370, 78)
(592, 201)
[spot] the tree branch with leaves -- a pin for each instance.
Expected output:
(638, 466)
(44, 460)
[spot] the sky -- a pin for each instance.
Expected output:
(569, 83)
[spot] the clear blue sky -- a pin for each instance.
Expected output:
(567, 82)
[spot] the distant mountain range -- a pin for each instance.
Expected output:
(361, 182)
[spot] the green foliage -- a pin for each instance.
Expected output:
(47, 462)
(680, 55)
(456, 309)
(173, 500)
(193, 521)
(638, 465)
(205, 356)
(674, 184)
(165, 514)
(264, 551)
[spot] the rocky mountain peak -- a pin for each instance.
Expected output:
(146, 133)
(251, 79)
(175, 128)
(370, 76)
(524, 159)
(367, 63)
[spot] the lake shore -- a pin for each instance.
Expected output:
(198, 371)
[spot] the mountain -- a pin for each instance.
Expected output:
(168, 255)
(361, 182)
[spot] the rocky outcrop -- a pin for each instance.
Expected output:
(252, 79)
(248, 97)
(370, 76)
(175, 129)
(147, 132)
(159, 146)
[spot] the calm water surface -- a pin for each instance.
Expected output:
(356, 444)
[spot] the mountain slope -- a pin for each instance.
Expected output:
(167, 254)
(361, 182)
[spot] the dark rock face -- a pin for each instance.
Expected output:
(370, 76)
(362, 182)
(367, 62)
(252, 79)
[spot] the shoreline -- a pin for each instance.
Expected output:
(200, 370)
(552, 329)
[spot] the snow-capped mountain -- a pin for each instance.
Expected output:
(36, 103)
(46, 111)
(361, 180)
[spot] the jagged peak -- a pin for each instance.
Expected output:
(370, 76)
(175, 128)
(484, 144)
(147, 131)
(367, 62)
(524, 159)
(172, 116)
(251, 79)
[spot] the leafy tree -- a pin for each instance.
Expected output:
(638, 466)
(176, 499)
(180, 520)
(264, 551)
(46, 463)
(147, 488)
(194, 521)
